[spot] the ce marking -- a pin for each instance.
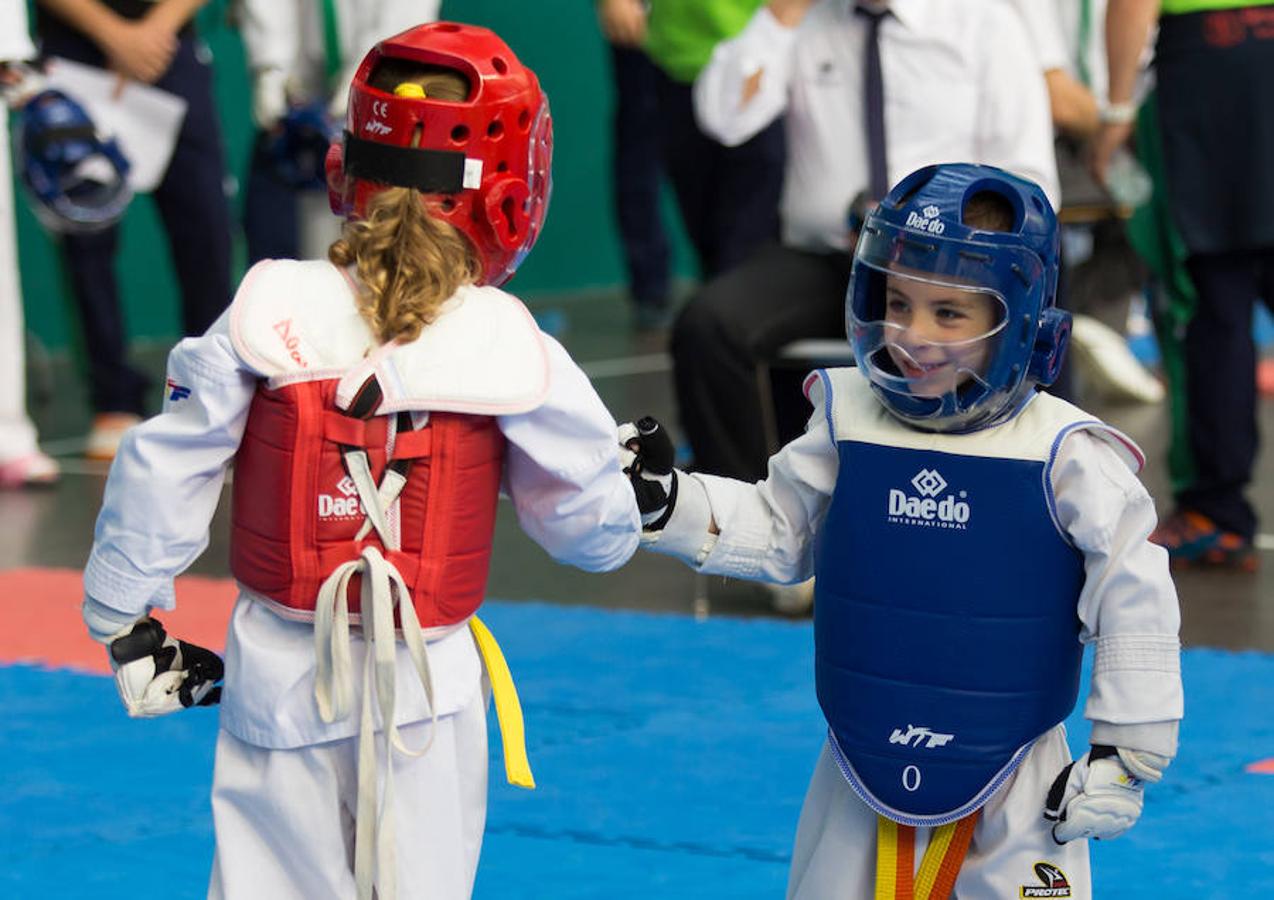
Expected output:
(380, 108)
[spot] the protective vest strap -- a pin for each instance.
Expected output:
(508, 710)
(896, 876)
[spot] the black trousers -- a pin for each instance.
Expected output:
(735, 321)
(1220, 364)
(637, 173)
(192, 206)
(728, 196)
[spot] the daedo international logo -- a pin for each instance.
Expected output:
(926, 220)
(952, 511)
(346, 506)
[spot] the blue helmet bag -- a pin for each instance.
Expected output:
(76, 178)
(297, 149)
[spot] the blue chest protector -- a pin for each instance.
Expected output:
(945, 624)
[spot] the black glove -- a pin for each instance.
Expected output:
(156, 674)
(646, 454)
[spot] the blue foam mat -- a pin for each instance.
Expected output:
(672, 758)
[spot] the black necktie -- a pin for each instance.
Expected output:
(874, 104)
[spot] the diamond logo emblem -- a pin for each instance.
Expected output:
(931, 211)
(347, 487)
(928, 483)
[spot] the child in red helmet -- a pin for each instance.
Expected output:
(374, 405)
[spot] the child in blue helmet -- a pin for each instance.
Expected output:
(968, 535)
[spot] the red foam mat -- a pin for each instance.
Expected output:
(40, 617)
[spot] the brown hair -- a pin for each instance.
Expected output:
(408, 262)
(988, 211)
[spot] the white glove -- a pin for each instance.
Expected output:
(646, 455)
(269, 97)
(1099, 795)
(156, 674)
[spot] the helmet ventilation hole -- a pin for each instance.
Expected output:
(460, 134)
(448, 204)
(499, 65)
(502, 166)
(524, 119)
(495, 130)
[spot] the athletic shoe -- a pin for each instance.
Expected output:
(32, 470)
(1105, 360)
(108, 430)
(1195, 541)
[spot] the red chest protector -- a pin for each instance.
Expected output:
(296, 513)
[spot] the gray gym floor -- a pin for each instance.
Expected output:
(54, 527)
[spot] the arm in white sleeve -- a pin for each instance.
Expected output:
(1128, 607)
(1015, 128)
(562, 473)
(166, 479)
(15, 39)
(766, 529)
(744, 87)
(271, 31)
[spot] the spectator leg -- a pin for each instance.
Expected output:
(745, 185)
(636, 176)
(1220, 368)
(689, 157)
(736, 320)
(192, 199)
(89, 261)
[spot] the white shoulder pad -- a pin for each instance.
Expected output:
(1124, 446)
(844, 395)
(298, 321)
(484, 354)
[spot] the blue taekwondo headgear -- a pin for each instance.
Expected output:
(916, 243)
(296, 151)
(77, 178)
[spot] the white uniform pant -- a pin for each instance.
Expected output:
(835, 852)
(17, 434)
(284, 819)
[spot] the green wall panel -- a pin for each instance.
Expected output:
(578, 249)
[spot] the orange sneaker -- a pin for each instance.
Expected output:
(1194, 541)
(33, 470)
(108, 429)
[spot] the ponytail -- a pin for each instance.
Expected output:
(408, 262)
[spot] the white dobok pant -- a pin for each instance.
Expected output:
(17, 434)
(835, 852)
(284, 819)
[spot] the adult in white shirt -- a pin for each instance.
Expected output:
(961, 82)
(303, 52)
(21, 462)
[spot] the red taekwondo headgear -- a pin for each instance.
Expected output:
(484, 162)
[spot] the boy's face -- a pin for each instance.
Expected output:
(935, 339)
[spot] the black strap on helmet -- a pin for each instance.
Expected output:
(429, 171)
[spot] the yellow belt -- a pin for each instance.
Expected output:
(896, 877)
(508, 711)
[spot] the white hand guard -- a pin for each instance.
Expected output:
(269, 98)
(156, 674)
(1099, 795)
(646, 456)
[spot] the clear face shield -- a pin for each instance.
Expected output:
(928, 319)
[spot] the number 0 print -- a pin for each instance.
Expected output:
(911, 778)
